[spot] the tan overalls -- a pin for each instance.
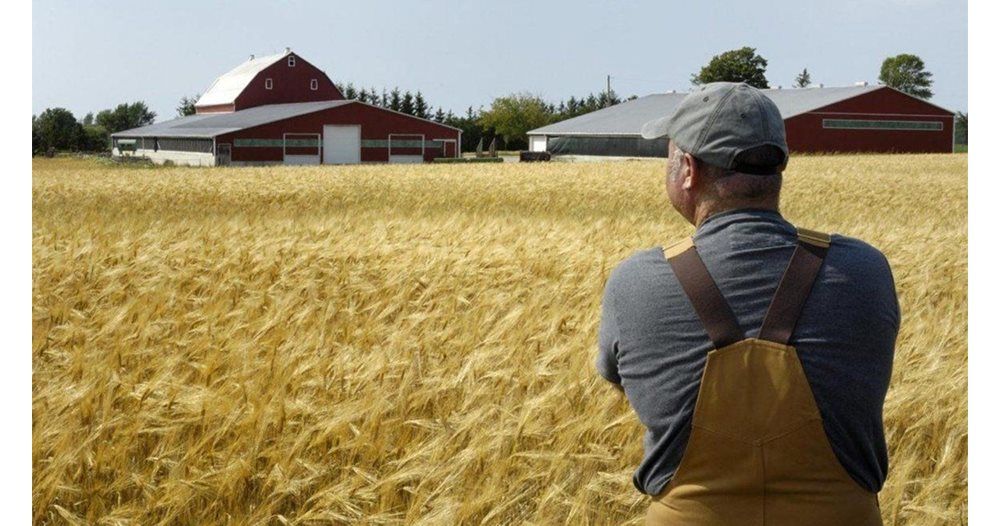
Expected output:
(757, 454)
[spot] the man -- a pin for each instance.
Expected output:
(762, 403)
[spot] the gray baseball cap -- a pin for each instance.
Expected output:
(719, 121)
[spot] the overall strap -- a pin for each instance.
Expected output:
(719, 321)
(794, 287)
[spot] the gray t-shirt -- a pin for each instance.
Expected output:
(653, 344)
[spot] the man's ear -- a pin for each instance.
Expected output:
(690, 171)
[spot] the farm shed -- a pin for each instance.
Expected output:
(280, 109)
(836, 119)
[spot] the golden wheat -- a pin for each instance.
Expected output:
(415, 344)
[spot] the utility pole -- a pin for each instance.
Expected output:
(607, 101)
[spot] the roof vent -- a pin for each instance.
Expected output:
(251, 57)
(821, 85)
(861, 83)
(779, 86)
(288, 50)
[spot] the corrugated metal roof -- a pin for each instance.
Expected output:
(210, 125)
(627, 118)
(226, 88)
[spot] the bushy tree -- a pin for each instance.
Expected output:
(906, 73)
(514, 115)
(803, 80)
(962, 128)
(738, 65)
(57, 128)
(95, 139)
(186, 106)
(125, 117)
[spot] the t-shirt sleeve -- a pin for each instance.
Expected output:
(608, 338)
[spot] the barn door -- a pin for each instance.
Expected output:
(341, 144)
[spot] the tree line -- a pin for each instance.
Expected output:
(508, 119)
(57, 129)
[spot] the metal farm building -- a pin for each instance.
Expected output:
(836, 119)
(280, 109)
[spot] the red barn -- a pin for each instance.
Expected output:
(280, 109)
(858, 118)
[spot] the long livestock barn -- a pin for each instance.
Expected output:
(836, 119)
(280, 109)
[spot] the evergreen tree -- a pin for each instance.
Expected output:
(350, 92)
(439, 115)
(803, 80)
(420, 106)
(407, 106)
(395, 101)
(186, 106)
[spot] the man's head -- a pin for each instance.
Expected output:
(727, 150)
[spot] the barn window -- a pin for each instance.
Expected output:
(268, 83)
(291, 61)
(872, 124)
(314, 84)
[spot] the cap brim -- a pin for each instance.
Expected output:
(655, 129)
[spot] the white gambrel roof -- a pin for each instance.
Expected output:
(226, 88)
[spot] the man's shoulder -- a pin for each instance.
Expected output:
(856, 253)
(638, 270)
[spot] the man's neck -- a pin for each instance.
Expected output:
(709, 208)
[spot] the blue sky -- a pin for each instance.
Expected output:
(88, 56)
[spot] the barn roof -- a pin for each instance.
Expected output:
(227, 87)
(627, 118)
(208, 125)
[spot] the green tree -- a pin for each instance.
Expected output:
(738, 65)
(94, 139)
(88, 119)
(802, 79)
(186, 106)
(962, 128)
(472, 131)
(395, 100)
(350, 92)
(58, 129)
(906, 73)
(406, 106)
(36, 136)
(514, 115)
(125, 117)
(439, 115)
(420, 106)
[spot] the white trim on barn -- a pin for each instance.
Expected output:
(302, 159)
(407, 158)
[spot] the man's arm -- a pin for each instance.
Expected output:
(608, 339)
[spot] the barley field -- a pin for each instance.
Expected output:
(415, 344)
